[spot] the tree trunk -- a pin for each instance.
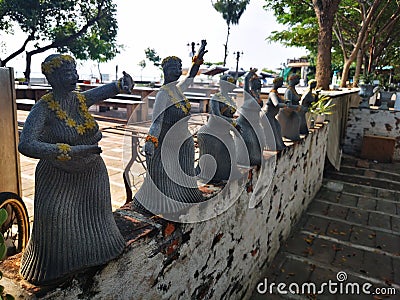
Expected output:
(325, 11)
(27, 72)
(4, 62)
(226, 45)
(358, 67)
(345, 72)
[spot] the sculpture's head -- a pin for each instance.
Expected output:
(60, 71)
(227, 77)
(255, 84)
(278, 82)
(227, 83)
(312, 84)
(294, 79)
(172, 68)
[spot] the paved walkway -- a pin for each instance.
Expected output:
(349, 234)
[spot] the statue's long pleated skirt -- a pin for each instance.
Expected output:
(73, 226)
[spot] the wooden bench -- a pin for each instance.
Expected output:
(25, 104)
(201, 100)
(130, 102)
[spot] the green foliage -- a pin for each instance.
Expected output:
(3, 251)
(142, 64)
(152, 56)
(231, 10)
(300, 21)
(367, 78)
(87, 29)
(322, 107)
(302, 29)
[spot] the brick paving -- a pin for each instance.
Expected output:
(352, 226)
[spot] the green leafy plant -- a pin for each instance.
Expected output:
(3, 251)
(322, 107)
(385, 84)
(367, 78)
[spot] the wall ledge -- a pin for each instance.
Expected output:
(223, 257)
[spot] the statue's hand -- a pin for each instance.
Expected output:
(149, 148)
(202, 49)
(84, 150)
(127, 82)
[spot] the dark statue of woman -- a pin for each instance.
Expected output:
(74, 228)
(306, 100)
(170, 185)
(288, 117)
(250, 122)
(273, 105)
(215, 137)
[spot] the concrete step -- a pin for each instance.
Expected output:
(362, 177)
(351, 161)
(351, 228)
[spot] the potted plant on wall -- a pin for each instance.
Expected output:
(366, 88)
(319, 109)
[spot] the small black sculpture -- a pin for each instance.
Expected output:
(306, 100)
(170, 185)
(288, 117)
(273, 105)
(215, 137)
(250, 122)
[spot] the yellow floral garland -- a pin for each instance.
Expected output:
(64, 150)
(223, 99)
(55, 63)
(186, 107)
(89, 122)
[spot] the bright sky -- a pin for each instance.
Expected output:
(168, 26)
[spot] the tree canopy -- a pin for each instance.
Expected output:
(365, 32)
(87, 29)
(231, 11)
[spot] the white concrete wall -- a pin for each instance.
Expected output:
(223, 257)
(371, 122)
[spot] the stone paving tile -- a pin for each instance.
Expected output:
(327, 195)
(357, 216)
(378, 266)
(340, 231)
(386, 207)
(316, 225)
(395, 224)
(379, 220)
(318, 207)
(348, 258)
(321, 251)
(356, 189)
(396, 269)
(366, 203)
(350, 200)
(294, 271)
(385, 194)
(387, 242)
(363, 236)
(336, 211)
